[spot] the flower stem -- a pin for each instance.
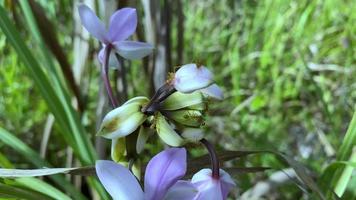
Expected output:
(105, 76)
(213, 157)
(161, 94)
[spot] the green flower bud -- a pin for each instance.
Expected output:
(118, 149)
(180, 100)
(192, 118)
(123, 120)
(166, 132)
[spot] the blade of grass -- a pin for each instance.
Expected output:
(42, 187)
(33, 157)
(341, 177)
(57, 100)
(85, 149)
(9, 191)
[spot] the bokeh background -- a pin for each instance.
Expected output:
(287, 68)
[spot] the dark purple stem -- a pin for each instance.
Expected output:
(105, 76)
(215, 166)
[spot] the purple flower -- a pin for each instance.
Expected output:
(122, 25)
(203, 187)
(211, 188)
(162, 172)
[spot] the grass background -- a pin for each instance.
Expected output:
(287, 69)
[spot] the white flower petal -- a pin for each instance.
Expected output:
(182, 190)
(118, 181)
(191, 77)
(113, 62)
(213, 91)
(210, 188)
(133, 50)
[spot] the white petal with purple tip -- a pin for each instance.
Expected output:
(191, 77)
(133, 50)
(92, 23)
(118, 181)
(123, 23)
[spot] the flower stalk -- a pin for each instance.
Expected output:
(105, 76)
(215, 165)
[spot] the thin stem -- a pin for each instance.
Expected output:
(214, 158)
(122, 70)
(105, 76)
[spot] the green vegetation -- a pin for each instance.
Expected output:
(287, 69)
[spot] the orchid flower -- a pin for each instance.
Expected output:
(162, 172)
(203, 186)
(191, 77)
(122, 25)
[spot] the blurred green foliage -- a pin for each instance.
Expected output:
(287, 68)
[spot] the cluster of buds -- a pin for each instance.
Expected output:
(175, 112)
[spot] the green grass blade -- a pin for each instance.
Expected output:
(85, 149)
(19, 193)
(29, 154)
(67, 118)
(42, 187)
(341, 175)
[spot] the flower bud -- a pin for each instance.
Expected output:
(166, 132)
(180, 100)
(123, 120)
(193, 118)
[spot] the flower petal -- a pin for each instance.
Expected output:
(133, 50)
(123, 23)
(210, 188)
(193, 134)
(167, 133)
(122, 121)
(213, 91)
(113, 62)
(163, 171)
(118, 181)
(191, 77)
(182, 190)
(92, 23)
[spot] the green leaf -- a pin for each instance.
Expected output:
(30, 155)
(19, 193)
(52, 91)
(42, 187)
(16, 173)
(342, 175)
